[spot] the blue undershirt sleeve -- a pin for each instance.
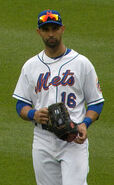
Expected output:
(97, 107)
(20, 104)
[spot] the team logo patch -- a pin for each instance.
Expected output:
(98, 85)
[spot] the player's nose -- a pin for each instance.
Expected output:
(50, 33)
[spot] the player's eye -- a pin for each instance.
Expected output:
(55, 27)
(45, 28)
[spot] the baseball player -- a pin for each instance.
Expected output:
(58, 74)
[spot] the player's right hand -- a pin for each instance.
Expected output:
(41, 116)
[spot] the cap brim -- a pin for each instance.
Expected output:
(48, 22)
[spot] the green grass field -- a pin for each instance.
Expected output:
(89, 30)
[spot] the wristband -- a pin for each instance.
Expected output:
(87, 121)
(31, 113)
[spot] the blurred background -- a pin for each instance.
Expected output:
(90, 31)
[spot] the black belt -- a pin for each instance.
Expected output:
(44, 126)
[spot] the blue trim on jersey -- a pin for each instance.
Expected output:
(44, 63)
(23, 98)
(60, 70)
(68, 51)
(96, 101)
(97, 107)
(67, 62)
(20, 104)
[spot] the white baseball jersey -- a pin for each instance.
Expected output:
(71, 79)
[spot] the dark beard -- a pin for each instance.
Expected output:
(51, 44)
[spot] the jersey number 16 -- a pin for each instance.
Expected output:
(69, 99)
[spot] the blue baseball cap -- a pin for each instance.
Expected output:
(49, 16)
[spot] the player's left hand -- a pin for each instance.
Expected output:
(82, 135)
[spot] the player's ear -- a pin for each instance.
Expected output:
(38, 31)
(63, 28)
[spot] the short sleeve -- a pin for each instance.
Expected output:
(92, 92)
(21, 91)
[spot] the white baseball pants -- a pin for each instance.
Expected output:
(57, 162)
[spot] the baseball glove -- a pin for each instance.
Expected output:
(60, 123)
